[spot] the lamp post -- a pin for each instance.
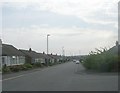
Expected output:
(63, 54)
(47, 42)
(63, 51)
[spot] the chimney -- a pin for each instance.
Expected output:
(30, 49)
(43, 52)
(117, 43)
(0, 43)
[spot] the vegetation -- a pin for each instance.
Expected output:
(26, 66)
(5, 69)
(37, 65)
(101, 60)
(23, 67)
(16, 68)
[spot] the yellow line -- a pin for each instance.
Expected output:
(17, 76)
(11, 78)
(20, 75)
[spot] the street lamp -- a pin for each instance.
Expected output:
(63, 51)
(63, 54)
(47, 42)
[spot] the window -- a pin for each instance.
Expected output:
(21, 60)
(3, 60)
(13, 57)
(14, 61)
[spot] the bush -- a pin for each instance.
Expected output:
(23, 67)
(103, 61)
(27, 66)
(50, 63)
(37, 65)
(15, 68)
(6, 70)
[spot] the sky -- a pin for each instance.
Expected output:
(77, 26)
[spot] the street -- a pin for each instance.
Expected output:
(64, 77)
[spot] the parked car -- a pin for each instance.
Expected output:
(77, 62)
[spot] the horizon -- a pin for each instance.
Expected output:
(53, 53)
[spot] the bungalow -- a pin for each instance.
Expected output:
(33, 57)
(42, 58)
(52, 58)
(12, 56)
(55, 58)
(0, 53)
(59, 58)
(47, 59)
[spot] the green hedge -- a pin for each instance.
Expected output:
(103, 61)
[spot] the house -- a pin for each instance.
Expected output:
(47, 59)
(42, 58)
(0, 53)
(12, 56)
(33, 57)
(58, 58)
(52, 58)
(55, 58)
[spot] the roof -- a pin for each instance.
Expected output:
(31, 53)
(44, 56)
(54, 56)
(9, 50)
(34, 54)
(114, 50)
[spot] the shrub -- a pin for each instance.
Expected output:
(101, 61)
(6, 69)
(37, 65)
(27, 66)
(50, 63)
(23, 67)
(15, 68)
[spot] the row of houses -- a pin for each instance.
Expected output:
(13, 56)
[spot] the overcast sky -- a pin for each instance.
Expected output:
(77, 25)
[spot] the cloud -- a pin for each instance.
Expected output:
(75, 24)
(79, 8)
(29, 17)
(101, 12)
(72, 38)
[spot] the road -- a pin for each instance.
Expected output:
(64, 77)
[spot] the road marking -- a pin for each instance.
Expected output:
(12, 78)
(19, 76)
(36, 70)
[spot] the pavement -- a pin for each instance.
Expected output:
(63, 77)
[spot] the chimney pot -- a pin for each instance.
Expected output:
(30, 49)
